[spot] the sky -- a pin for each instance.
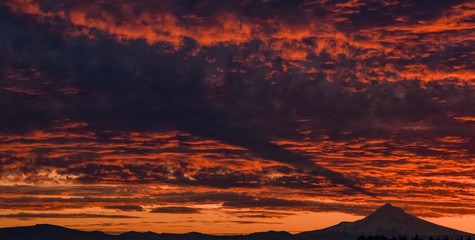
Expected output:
(229, 117)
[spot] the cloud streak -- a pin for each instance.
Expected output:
(60, 215)
(175, 210)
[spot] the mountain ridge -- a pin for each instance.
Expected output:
(388, 221)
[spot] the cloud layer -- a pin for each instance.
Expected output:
(266, 107)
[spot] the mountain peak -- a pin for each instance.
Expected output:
(387, 205)
(388, 210)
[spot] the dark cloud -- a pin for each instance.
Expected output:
(260, 214)
(249, 200)
(61, 215)
(67, 191)
(175, 210)
(227, 199)
(254, 222)
(126, 208)
(378, 14)
(216, 177)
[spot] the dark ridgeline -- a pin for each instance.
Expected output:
(380, 237)
(386, 223)
(51, 232)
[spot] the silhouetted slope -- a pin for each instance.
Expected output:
(270, 235)
(199, 236)
(386, 221)
(50, 232)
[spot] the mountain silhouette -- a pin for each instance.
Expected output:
(46, 231)
(388, 221)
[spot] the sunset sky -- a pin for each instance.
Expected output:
(222, 116)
